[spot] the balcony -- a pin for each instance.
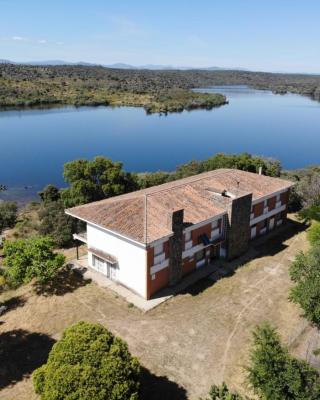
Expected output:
(82, 237)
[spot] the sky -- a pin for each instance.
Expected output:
(278, 36)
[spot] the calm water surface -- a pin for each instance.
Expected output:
(35, 144)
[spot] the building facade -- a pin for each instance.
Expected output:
(150, 239)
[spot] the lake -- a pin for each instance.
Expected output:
(36, 143)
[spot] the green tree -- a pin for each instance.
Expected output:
(305, 273)
(149, 179)
(8, 214)
(95, 180)
(223, 393)
(275, 375)
(49, 194)
(55, 222)
(245, 162)
(31, 258)
(88, 363)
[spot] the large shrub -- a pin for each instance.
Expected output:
(31, 258)
(275, 375)
(88, 363)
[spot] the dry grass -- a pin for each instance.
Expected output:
(195, 339)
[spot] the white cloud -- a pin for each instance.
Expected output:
(42, 41)
(19, 38)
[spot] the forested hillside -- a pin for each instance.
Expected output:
(156, 91)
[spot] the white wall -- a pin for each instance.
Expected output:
(132, 257)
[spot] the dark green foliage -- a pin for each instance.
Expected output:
(149, 179)
(223, 393)
(49, 194)
(244, 161)
(95, 180)
(8, 214)
(56, 223)
(305, 273)
(275, 375)
(305, 196)
(31, 258)
(314, 234)
(310, 213)
(88, 363)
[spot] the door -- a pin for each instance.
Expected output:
(111, 271)
(271, 224)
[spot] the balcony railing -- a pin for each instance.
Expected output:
(82, 237)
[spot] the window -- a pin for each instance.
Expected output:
(158, 249)
(200, 255)
(188, 236)
(278, 197)
(153, 277)
(214, 224)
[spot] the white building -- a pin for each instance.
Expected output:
(151, 238)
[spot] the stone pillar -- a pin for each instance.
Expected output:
(238, 226)
(175, 223)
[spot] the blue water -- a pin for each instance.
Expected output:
(35, 144)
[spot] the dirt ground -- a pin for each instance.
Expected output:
(198, 338)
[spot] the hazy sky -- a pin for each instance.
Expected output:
(264, 35)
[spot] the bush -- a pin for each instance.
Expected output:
(223, 393)
(88, 363)
(31, 258)
(8, 214)
(275, 375)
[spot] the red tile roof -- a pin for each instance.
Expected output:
(142, 215)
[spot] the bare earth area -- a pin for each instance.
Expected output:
(198, 338)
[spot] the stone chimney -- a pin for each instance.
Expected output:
(238, 236)
(175, 223)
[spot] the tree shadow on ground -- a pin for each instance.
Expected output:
(21, 352)
(12, 304)
(66, 281)
(160, 388)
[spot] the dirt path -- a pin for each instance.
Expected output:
(195, 339)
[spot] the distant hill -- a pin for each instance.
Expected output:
(120, 65)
